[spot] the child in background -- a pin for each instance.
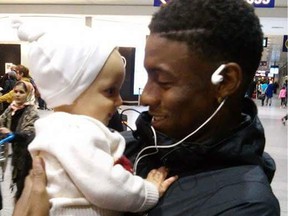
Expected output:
(282, 95)
(80, 76)
(19, 118)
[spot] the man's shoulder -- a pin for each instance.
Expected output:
(240, 190)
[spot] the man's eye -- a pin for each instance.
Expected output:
(164, 83)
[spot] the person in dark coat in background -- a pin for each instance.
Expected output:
(9, 82)
(269, 93)
(200, 57)
(8, 85)
(251, 89)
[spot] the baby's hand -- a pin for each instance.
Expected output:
(158, 178)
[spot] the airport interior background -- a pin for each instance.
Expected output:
(125, 22)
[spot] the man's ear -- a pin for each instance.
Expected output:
(232, 78)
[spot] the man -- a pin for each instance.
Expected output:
(200, 57)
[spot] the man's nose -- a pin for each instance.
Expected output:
(149, 96)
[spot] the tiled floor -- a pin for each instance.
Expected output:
(276, 145)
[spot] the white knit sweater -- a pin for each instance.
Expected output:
(79, 154)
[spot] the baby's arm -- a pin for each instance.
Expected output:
(158, 178)
(88, 168)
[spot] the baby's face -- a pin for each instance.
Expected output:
(102, 98)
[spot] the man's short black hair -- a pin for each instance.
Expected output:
(217, 31)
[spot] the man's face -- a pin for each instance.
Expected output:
(178, 90)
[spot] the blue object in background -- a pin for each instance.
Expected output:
(8, 138)
(262, 3)
(158, 2)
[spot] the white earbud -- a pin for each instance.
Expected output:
(216, 78)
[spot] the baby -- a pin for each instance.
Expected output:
(80, 76)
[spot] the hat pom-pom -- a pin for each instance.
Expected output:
(16, 23)
(26, 32)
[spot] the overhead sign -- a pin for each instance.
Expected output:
(160, 2)
(262, 3)
(255, 3)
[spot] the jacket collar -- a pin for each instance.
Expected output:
(242, 146)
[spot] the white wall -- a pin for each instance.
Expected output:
(126, 31)
(131, 31)
(9, 36)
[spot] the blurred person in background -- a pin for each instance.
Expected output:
(269, 93)
(283, 97)
(22, 73)
(19, 119)
(8, 86)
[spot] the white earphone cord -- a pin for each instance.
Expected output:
(173, 145)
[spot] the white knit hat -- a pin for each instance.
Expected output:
(63, 63)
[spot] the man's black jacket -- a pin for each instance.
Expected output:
(224, 176)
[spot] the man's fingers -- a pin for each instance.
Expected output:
(38, 166)
(22, 206)
(38, 175)
(168, 182)
(39, 196)
(34, 200)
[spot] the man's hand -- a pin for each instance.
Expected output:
(158, 178)
(34, 200)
